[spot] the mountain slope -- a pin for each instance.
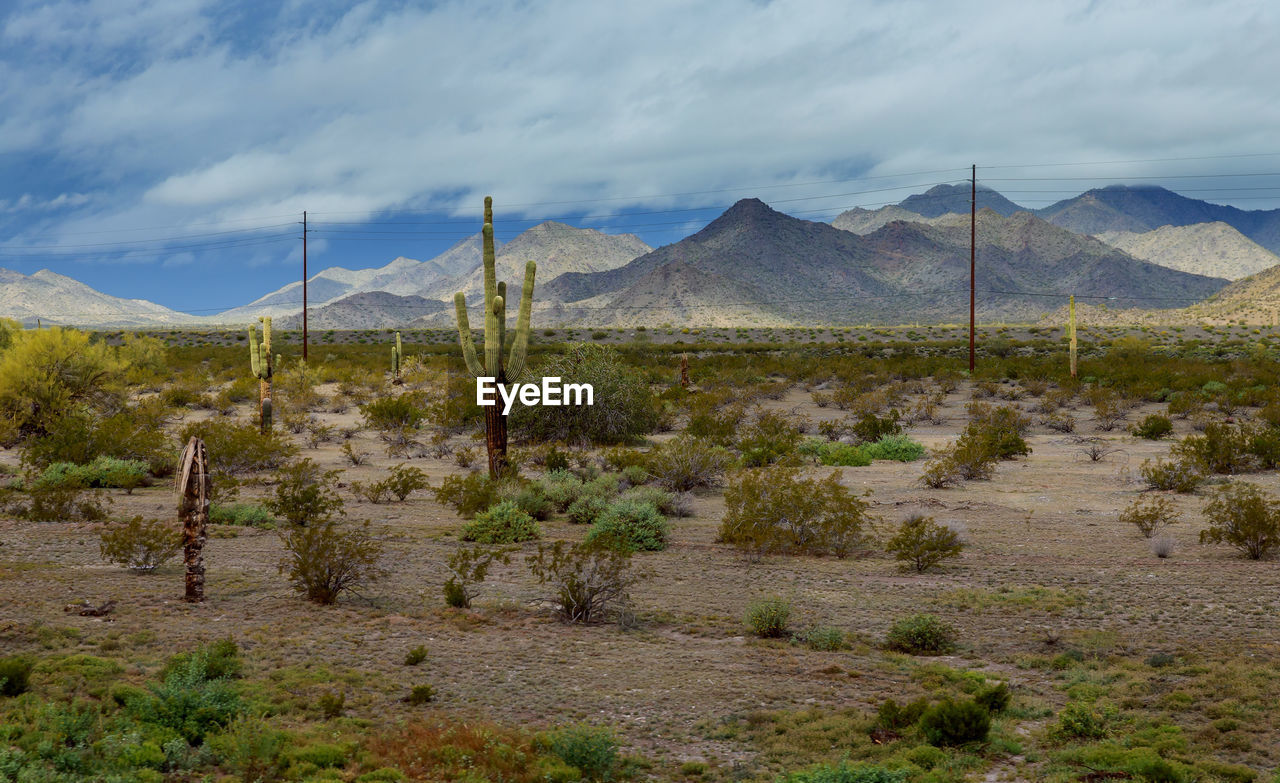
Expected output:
(864, 221)
(804, 272)
(55, 298)
(367, 310)
(1145, 207)
(941, 199)
(1214, 249)
(333, 283)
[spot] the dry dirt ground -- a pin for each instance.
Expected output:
(1046, 560)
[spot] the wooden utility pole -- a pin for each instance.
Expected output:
(193, 511)
(1071, 332)
(304, 285)
(973, 254)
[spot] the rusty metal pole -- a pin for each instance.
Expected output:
(973, 244)
(304, 285)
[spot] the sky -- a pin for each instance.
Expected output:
(166, 149)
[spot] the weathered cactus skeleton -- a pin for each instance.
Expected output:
(495, 341)
(396, 355)
(263, 367)
(193, 511)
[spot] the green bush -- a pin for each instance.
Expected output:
(593, 750)
(1150, 515)
(240, 448)
(469, 494)
(632, 525)
(325, 560)
(251, 748)
(686, 463)
(587, 509)
(80, 436)
(1082, 721)
(561, 487)
(1182, 476)
(103, 472)
(995, 697)
(635, 475)
(1244, 516)
(504, 523)
(836, 454)
(139, 544)
(770, 438)
(949, 723)
(1153, 427)
(921, 543)
(590, 580)
(768, 617)
(46, 372)
(306, 495)
(405, 480)
(668, 504)
(997, 430)
(192, 699)
(892, 715)
(921, 634)
(15, 675)
(420, 694)
(246, 514)
(530, 498)
(415, 656)
(824, 638)
(870, 429)
(623, 409)
(712, 421)
(775, 510)
(899, 448)
(468, 567)
(393, 413)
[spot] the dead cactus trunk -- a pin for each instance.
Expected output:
(193, 511)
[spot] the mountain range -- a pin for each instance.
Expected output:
(755, 265)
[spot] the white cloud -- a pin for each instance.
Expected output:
(568, 99)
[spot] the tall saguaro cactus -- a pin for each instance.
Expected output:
(495, 341)
(1071, 333)
(263, 367)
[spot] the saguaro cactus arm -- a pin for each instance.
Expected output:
(464, 336)
(520, 345)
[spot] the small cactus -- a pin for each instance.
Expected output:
(263, 367)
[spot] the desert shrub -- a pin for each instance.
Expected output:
(251, 748)
(590, 580)
(248, 514)
(373, 491)
(712, 421)
(769, 438)
(1153, 427)
(1082, 721)
(998, 430)
(469, 494)
(15, 675)
(400, 412)
(1244, 516)
(1150, 515)
(468, 567)
(846, 772)
(46, 372)
(921, 543)
(633, 525)
(1226, 448)
(768, 617)
(968, 459)
(529, 498)
(899, 448)
(420, 695)
(323, 560)
(870, 428)
(102, 472)
(687, 463)
(623, 408)
(561, 487)
(775, 510)
(239, 448)
(949, 723)
(836, 454)
(193, 699)
(995, 697)
(139, 544)
(405, 480)
(331, 704)
(504, 523)
(415, 656)
(667, 503)
(634, 475)
(891, 715)
(921, 634)
(305, 494)
(1178, 475)
(80, 436)
(587, 509)
(592, 750)
(824, 638)
(65, 503)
